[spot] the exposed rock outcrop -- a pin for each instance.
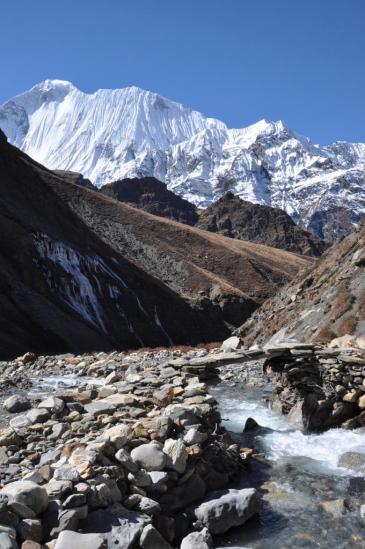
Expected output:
(236, 218)
(325, 302)
(152, 195)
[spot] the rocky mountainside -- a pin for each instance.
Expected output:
(224, 279)
(229, 216)
(74, 264)
(152, 195)
(236, 218)
(125, 133)
(61, 286)
(325, 302)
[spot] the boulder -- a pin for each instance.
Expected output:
(119, 435)
(53, 404)
(226, 509)
(7, 542)
(121, 527)
(230, 344)
(16, 403)
(180, 496)
(149, 456)
(152, 539)
(28, 493)
(38, 415)
(198, 540)
(99, 407)
(68, 540)
(352, 460)
(30, 529)
(177, 454)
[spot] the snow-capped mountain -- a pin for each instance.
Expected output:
(114, 134)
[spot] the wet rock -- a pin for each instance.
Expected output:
(152, 539)
(68, 540)
(336, 507)
(353, 460)
(149, 456)
(28, 493)
(16, 403)
(197, 540)
(227, 509)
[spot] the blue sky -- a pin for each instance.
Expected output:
(302, 61)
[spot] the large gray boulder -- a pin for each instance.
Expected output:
(69, 540)
(227, 509)
(149, 456)
(28, 493)
(119, 526)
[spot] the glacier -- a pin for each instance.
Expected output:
(117, 133)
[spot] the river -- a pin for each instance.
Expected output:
(308, 501)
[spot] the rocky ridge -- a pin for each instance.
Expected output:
(132, 454)
(229, 216)
(152, 196)
(236, 218)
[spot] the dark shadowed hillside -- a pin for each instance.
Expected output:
(152, 195)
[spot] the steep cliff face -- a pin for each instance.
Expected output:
(152, 195)
(236, 218)
(115, 134)
(325, 302)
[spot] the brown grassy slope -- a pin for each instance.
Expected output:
(192, 262)
(324, 302)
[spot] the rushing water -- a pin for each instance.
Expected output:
(298, 476)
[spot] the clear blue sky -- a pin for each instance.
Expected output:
(238, 60)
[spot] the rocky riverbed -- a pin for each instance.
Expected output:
(147, 450)
(117, 450)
